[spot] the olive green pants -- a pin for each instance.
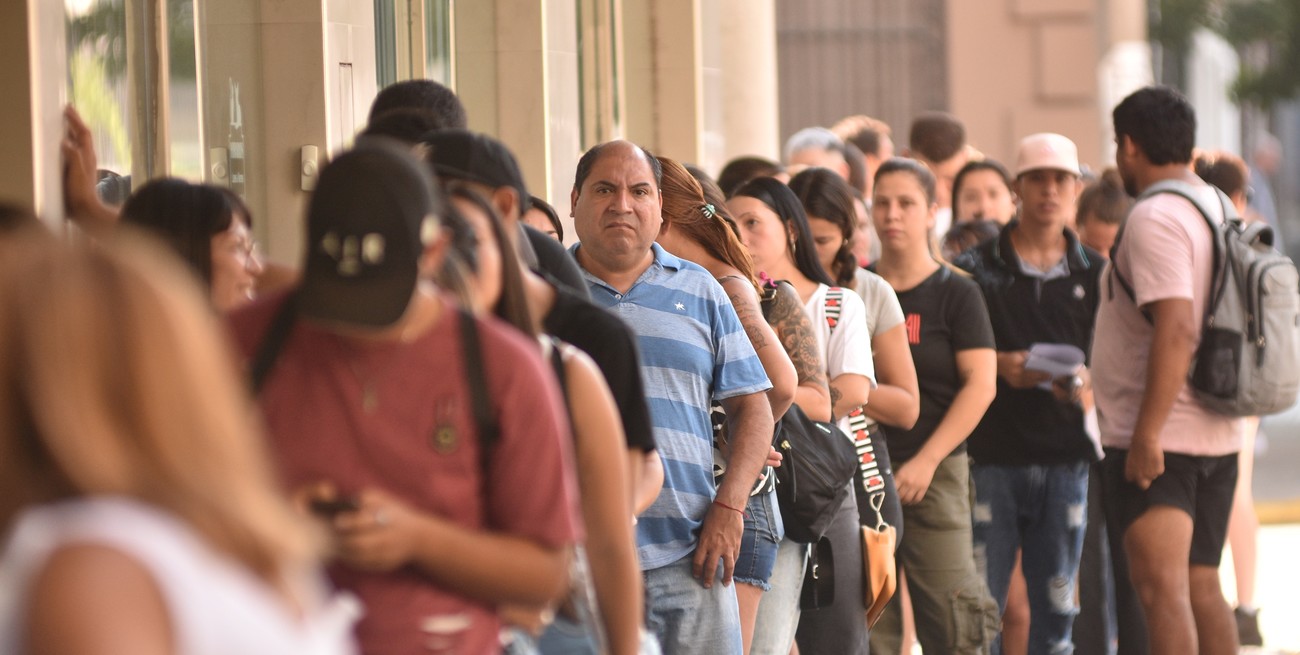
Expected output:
(953, 609)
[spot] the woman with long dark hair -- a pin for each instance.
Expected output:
(775, 230)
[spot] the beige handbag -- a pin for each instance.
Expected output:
(878, 563)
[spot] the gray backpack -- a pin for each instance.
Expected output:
(1248, 361)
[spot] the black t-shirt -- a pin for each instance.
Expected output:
(943, 314)
(555, 261)
(1030, 426)
(610, 343)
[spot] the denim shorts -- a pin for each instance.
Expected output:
(763, 533)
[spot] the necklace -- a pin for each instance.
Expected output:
(369, 383)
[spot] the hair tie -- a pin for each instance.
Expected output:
(709, 211)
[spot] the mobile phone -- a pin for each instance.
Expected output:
(333, 507)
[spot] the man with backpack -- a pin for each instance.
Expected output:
(1171, 463)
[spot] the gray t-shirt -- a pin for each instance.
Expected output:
(883, 310)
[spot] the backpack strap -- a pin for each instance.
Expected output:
(485, 420)
(273, 342)
(1219, 270)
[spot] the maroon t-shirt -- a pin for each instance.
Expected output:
(397, 416)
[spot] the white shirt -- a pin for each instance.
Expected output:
(216, 605)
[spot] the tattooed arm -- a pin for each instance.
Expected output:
(775, 362)
(796, 332)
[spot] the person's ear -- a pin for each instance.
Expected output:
(435, 252)
(507, 203)
(573, 201)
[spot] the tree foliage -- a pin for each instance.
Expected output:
(1276, 25)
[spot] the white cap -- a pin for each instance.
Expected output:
(1047, 150)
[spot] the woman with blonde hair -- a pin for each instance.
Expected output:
(141, 511)
(697, 231)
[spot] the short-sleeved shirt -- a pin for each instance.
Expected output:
(1026, 306)
(845, 347)
(612, 345)
(693, 351)
(883, 310)
(397, 416)
(945, 314)
(1166, 252)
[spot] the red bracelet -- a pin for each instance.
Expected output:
(726, 506)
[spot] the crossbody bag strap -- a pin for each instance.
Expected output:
(273, 342)
(485, 420)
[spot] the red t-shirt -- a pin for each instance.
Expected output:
(397, 416)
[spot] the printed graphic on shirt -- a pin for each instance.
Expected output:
(913, 329)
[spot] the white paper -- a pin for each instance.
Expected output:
(1054, 359)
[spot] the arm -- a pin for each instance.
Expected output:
(1172, 346)
(649, 482)
(94, 600)
(80, 173)
(796, 332)
(896, 399)
(611, 546)
(776, 363)
(848, 392)
(977, 370)
(385, 534)
(749, 422)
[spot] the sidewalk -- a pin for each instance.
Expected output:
(1276, 594)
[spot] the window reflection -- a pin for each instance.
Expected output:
(97, 84)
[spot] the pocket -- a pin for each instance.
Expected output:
(1218, 361)
(975, 619)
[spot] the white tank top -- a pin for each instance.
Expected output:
(216, 606)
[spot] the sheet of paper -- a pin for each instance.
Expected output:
(1054, 359)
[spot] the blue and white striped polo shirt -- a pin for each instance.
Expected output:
(693, 350)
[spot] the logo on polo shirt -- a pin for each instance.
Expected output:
(680, 307)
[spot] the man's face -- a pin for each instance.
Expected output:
(1047, 196)
(617, 211)
(944, 174)
(1124, 151)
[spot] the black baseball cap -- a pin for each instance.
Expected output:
(373, 212)
(465, 155)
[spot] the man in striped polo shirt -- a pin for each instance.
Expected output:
(694, 350)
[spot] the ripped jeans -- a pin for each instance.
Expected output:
(1042, 511)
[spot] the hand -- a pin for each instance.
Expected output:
(80, 165)
(1070, 388)
(1145, 462)
(774, 458)
(1011, 367)
(381, 535)
(532, 620)
(719, 539)
(913, 479)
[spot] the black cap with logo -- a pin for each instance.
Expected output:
(373, 212)
(465, 155)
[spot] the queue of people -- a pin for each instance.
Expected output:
(446, 432)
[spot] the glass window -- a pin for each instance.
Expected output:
(437, 39)
(184, 140)
(97, 85)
